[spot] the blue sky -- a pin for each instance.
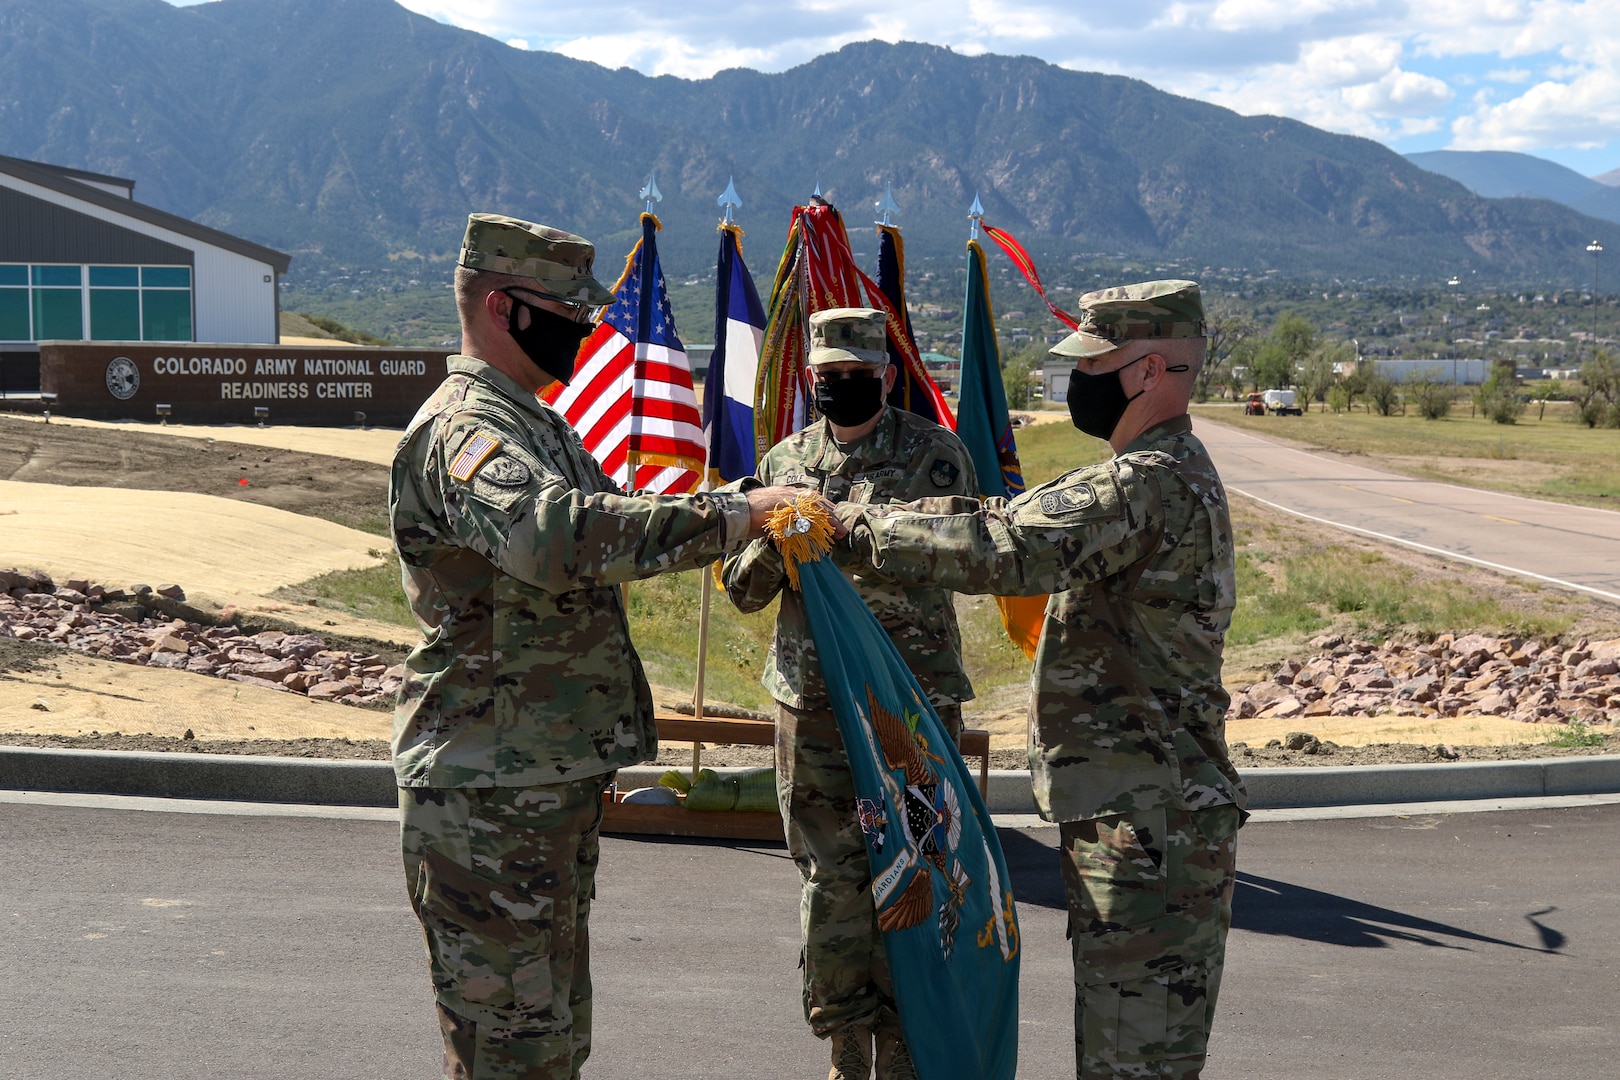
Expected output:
(1536, 76)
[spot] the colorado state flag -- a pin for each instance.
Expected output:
(728, 392)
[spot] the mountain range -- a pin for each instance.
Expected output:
(353, 132)
(1498, 174)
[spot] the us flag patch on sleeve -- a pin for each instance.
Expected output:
(478, 450)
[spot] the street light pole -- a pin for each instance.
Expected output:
(1455, 284)
(1596, 249)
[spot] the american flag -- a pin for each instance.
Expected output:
(631, 399)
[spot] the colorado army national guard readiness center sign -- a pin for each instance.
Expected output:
(297, 384)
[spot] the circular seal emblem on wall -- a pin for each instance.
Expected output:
(123, 378)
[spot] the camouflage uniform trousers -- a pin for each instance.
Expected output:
(1150, 902)
(846, 973)
(501, 879)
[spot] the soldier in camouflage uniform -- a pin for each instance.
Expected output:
(864, 453)
(525, 693)
(1127, 735)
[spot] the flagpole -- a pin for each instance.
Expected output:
(650, 192)
(702, 661)
(728, 202)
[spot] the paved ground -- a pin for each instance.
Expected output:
(177, 946)
(1572, 546)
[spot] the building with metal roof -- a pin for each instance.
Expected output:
(81, 260)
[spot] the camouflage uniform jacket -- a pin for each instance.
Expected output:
(1128, 712)
(905, 457)
(526, 675)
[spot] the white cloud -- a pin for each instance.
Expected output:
(1350, 61)
(1266, 15)
(1014, 22)
(658, 54)
(1583, 112)
(1399, 93)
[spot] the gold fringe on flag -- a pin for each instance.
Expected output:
(802, 531)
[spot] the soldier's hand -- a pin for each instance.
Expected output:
(762, 500)
(837, 515)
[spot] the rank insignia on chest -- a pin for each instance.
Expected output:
(943, 473)
(478, 450)
(1067, 500)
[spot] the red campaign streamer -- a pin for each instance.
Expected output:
(1026, 266)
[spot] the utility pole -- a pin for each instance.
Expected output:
(1596, 249)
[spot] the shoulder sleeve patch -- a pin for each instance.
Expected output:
(479, 449)
(507, 471)
(1068, 500)
(943, 473)
(1086, 495)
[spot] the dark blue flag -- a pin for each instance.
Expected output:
(729, 388)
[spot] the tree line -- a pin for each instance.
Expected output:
(1293, 355)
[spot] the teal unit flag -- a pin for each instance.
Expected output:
(982, 421)
(939, 879)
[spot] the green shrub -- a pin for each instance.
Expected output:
(1575, 737)
(1381, 394)
(1498, 399)
(1429, 396)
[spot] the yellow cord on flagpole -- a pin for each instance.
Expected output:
(802, 531)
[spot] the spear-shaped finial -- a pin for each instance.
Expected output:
(886, 206)
(975, 215)
(816, 194)
(729, 200)
(651, 192)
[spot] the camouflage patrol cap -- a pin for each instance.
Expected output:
(848, 333)
(1150, 309)
(559, 261)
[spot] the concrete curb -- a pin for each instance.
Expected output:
(199, 776)
(371, 783)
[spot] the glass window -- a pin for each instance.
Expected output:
(115, 314)
(14, 315)
(167, 315)
(13, 275)
(58, 314)
(115, 276)
(166, 277)
(57, 275)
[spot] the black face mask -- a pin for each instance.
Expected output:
(850, 401)
(550, 340)
(1097, 402)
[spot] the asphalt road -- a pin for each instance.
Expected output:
(1574, 547)
(143, 944)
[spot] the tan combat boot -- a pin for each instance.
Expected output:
(851, 1054)
(893, 1057)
